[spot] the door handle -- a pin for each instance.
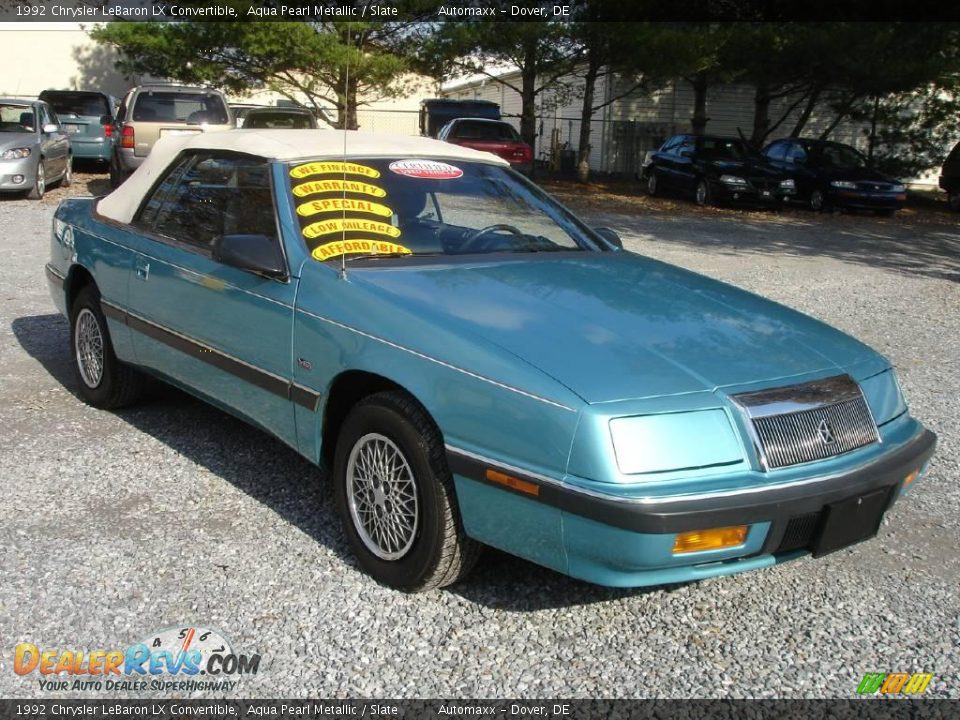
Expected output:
(143, 269)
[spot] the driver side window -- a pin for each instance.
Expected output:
(209, 195)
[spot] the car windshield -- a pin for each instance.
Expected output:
(722, 149)
(77, 103)
(375, 207)
(17, 118)
(277, 119)
(475, 130)
(180, 107)
(840, 156)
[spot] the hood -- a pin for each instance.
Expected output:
(616, 326)
(745, 167)
(10, 140)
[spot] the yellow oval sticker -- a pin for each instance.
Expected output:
(333, 168)
(316, 187)
(367, 247)
(333, 204)
(336, 225)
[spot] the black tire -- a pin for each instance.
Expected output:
(652, 183)
(67, 179)
(953, 200)
(39, 182)
(817, 200)
(703, 195)
(117, 384)
(886, 212)
(438, 552)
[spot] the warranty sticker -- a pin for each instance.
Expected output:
(316, 187)
(426, 169)
(366, 247)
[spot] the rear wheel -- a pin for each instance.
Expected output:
(39, 182)
(702, 195)
(105, 382)
(67, 179)
(395, 496)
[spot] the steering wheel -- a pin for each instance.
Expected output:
(472, 238)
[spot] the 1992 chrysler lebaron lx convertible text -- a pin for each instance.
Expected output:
(476, 365)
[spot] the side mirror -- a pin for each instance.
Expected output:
(51, 128)
(253, 253)
(610, 235)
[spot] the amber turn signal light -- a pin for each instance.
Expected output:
(911, 477)
(509, 481)
(715, 539)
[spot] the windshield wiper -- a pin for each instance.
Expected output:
(369, 256)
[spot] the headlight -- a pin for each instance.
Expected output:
(845, 184)
(16, 153)
(898, 188)
(884, 395)
(788, 184)
(674, 441)
(732, 180)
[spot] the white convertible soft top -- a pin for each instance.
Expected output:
(122, 203)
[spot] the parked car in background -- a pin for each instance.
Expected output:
(950, 177)
(715, 169)
(240, 110)
(493, 136)
(279, 118)
(149, 112)
(830, 174)
(478, 366)
(87, 117)
(34, 150)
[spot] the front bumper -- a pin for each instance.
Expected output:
(866, 200)
(623, 541)
(25, 168)
(748, 194)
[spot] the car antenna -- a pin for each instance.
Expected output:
(346, 114)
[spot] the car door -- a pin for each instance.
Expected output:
(223, 332)
(664, 163)
(55, 145)
(798, 165)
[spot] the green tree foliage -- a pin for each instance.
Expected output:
(337, 64)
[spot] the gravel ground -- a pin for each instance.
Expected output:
(172, 513)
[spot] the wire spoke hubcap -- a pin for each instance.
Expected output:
(382, 497)
(88, 345)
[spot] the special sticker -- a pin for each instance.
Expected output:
(367, 247)
(426, 169)
(333, 168)
(315, 187)
(332, 204)
(336, 225)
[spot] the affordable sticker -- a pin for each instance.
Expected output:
(315, 187)
(426, 169)
(332, 204)
(366, 247)
(333, 168)
(338, 225)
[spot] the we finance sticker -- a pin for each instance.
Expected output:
(314, 207)
(341, 225)
(333, 168)
(365, 247)
(426, 169)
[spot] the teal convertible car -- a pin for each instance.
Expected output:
(477, 366)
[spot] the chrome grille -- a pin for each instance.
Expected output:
(811, 421)
(815, 434)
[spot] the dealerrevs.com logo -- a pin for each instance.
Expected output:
(184, 659)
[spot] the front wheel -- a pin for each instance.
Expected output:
(395, 496)
(953, 200)
(105, 382)
(702, 195)
(652, 182)
(39, 183)
(817, 201)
